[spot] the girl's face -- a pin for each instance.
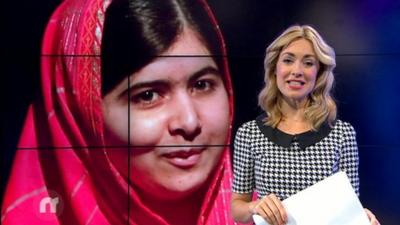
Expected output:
(296, 70)
(174, 112)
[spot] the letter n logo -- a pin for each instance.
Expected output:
(51, 202)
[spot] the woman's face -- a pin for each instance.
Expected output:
(296, 70)
(174, 114)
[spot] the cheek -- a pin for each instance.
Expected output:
(280, 75)
(143, 164)
(312, 77)
(214, 157)
(147, 171)
(280, 82)
(147, 128)
(116, 125)
(215, 117)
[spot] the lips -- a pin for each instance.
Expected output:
(295, 84)
(183, 158)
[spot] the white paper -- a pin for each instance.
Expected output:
(331, 201)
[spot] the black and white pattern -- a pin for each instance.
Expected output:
(266, 167)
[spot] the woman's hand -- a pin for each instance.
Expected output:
(271, 209)
(371, 217)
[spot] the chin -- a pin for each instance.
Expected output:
(179, 190)
(176, 193)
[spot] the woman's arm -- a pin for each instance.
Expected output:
(241, 207)
(371, 217)
(244, 177)
(349, 161)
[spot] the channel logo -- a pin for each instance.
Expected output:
(50, 203)
(50, 207)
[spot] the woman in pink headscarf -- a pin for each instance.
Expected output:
(134, 121)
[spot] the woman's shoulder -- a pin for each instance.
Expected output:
(252, 124)
(344, 126)
(253, 127)
(248, 125)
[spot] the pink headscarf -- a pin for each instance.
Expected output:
(61, 153)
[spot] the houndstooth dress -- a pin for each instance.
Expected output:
(267, 160)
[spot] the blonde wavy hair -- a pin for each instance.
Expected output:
(320, 105)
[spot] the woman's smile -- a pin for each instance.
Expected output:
(295, 84)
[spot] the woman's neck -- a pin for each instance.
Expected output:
(293, 117)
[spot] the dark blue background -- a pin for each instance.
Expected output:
(365, 35)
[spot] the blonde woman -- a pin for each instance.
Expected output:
(297, 141)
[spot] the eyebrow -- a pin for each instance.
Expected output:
(305, 56)
(206, 70)
(163, 82)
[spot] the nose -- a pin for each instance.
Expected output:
(297, 69)
(184, 119)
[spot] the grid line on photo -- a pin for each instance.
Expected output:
(120, 146)
(373, 54)
(389, 146)
(166, 56)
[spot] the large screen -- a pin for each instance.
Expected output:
(114, 110)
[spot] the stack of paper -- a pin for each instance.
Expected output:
(331, 201)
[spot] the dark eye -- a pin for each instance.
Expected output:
(146, 97)
(202, 85)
